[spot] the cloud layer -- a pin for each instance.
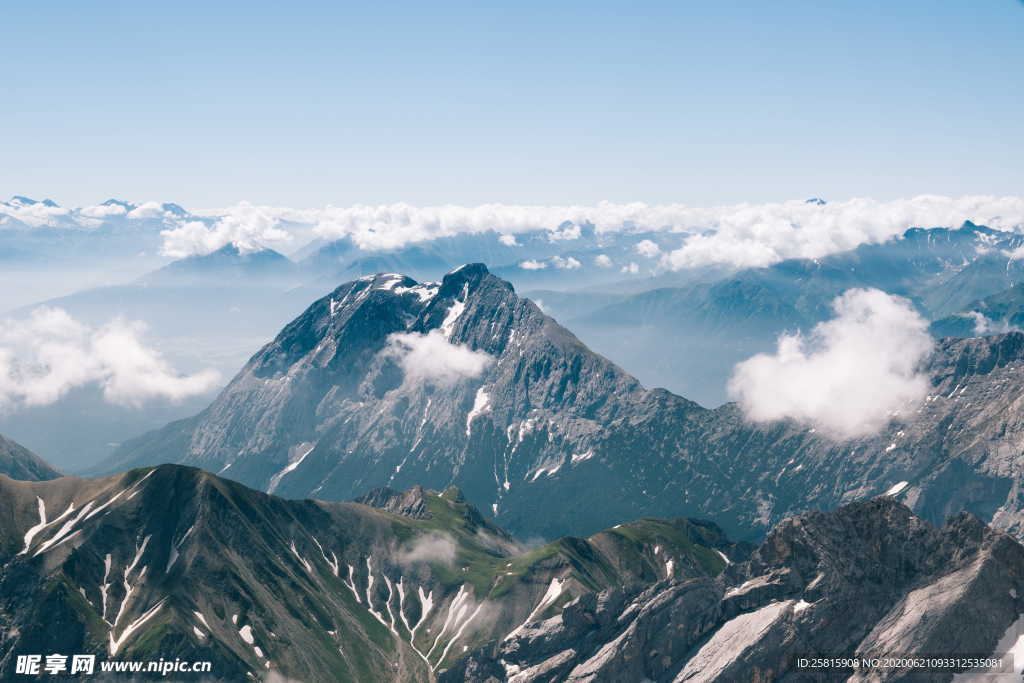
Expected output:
(740, 235)
(47, 355)
(250, 228)
(432, 358)
(848, 376)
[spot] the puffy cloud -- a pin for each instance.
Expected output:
(36, 215)
(434, 547)
(743, 234)
(849, 375)
(432, 358)
(103, 211)
(147, 211)
(508, 240)
(50, 353)
(567, 233)
(984, 326)
(631, 268)
(530, 264)
(758, 235)
(647, 248)
(248, 227)
(568, 263)
(603, 261)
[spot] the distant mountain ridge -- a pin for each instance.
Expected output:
(727, 318)
(228, 261)
(17, 462)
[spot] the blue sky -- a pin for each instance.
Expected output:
(545, 103)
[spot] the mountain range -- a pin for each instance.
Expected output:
(462, 419)
(172, 562)
(683, 330)
(344, 400)
(723, 319)
(175, 562)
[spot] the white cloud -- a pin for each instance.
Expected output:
(103, 211)
(848, 376)
(432, 358)
(508, 240)
(50, 353)
(568, 263)
(745, 234)
(631, 268)
(758, 235)
(533, 265)
(603, 261)
(1015, 254)
(434, 547)
(146, 211)
(647, 248)
(984, 326)
(740, 235)
(569, 232)
(36, 215)
(248, 227)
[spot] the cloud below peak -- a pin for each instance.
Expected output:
(848, 376)
(50, 353)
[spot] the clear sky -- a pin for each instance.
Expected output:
(306, 104)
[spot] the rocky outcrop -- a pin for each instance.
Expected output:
(411, 503)
(868, 580)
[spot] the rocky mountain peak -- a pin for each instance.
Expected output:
(411, 503)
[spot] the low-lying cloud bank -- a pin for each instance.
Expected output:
(47, 355)
(849, 375)
(247, 227)
(739, 235)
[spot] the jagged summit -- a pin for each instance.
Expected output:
(127, 206)
(411, 503)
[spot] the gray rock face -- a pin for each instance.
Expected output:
(411, 503)
(869, 579)
(544, 434)
(17, 462)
